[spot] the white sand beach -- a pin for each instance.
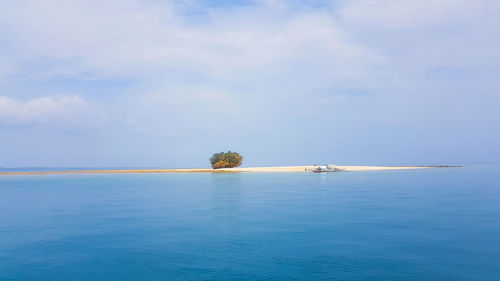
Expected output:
(308, 168)
(276, 169)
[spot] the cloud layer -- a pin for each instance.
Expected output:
(405, 77)
(38, 110)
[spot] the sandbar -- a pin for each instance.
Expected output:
(276, 169)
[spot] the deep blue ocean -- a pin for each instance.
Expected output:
(429, 224)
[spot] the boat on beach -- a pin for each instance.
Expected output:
(326, 169)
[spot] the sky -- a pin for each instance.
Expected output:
(129, 83)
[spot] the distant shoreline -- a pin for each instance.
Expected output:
(280, 169)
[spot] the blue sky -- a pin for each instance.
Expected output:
(167, 83)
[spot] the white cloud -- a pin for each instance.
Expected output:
(130, 39)
(399, 15)
(39, 110)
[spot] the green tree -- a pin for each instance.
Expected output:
(226, 160)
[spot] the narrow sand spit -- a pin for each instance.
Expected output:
(282, 169)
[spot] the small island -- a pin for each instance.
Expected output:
(226, 162)
(274, 169)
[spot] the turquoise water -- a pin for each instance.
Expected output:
(432, 224)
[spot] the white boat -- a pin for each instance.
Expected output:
(326, 168)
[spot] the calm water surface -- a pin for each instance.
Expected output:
(432, 224)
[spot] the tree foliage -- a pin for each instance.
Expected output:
(226, 160)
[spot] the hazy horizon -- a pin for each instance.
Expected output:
(168, 83)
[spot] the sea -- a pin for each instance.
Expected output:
(422, 224)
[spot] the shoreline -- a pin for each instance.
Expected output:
(279, 169)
